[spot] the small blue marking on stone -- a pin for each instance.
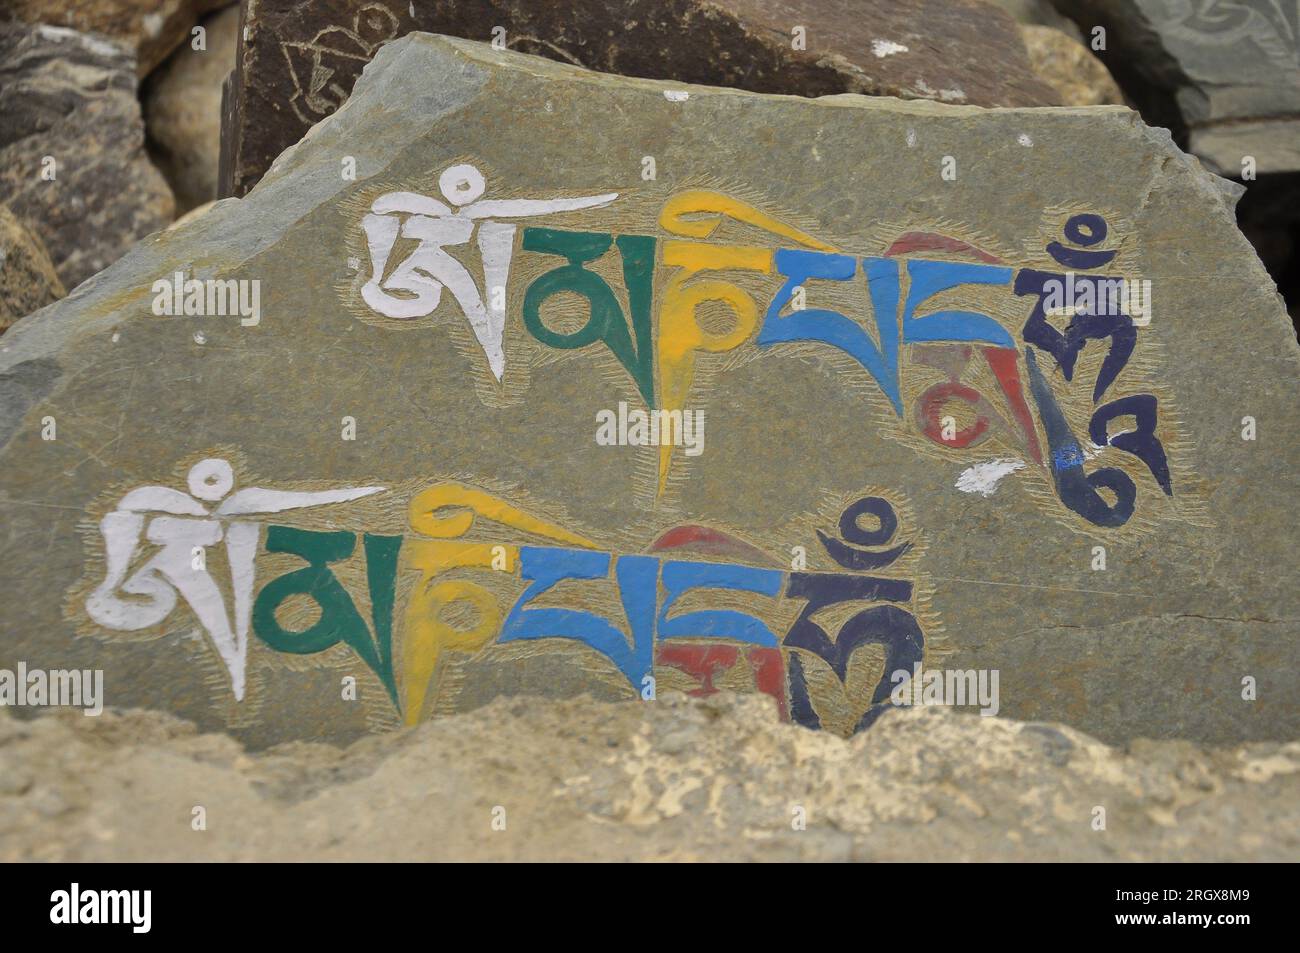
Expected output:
(1068, 456)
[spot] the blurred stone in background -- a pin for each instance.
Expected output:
(1038, 13)
(1222, 74)
(150, 29)
(1269, 214)
(298, 59)
(27, 278)
(1224, 77)
(73, 167)
(182, 110)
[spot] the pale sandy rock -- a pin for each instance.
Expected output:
(678, 779)
(182, 111)
(1039, 13)
(73, 165)
(1070, 68)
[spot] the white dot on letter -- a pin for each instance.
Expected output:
(210, 479)
(461, 184)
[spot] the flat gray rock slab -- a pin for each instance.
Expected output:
(401, 464)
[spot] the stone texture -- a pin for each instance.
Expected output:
(298, 60)
(71, 97)
(1224, 75)
(182, 111)
(27, 278)
(191, 215)
(681, 780)
(1194, 613)
(1038, 13)
(1070, 68)
(149, 28)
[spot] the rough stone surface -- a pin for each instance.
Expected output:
(1224, 74)
(149, 28)
(716, 779)
(298, 60)
(477, 459)
(1070, 68)
(182, 111)
(73, 166)
(27, 278)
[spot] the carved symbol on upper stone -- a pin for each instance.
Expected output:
(324, 68)
(1273, 25)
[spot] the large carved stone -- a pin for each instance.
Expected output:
(915, 404)
(298, 59)
(1038, 13)
(73, 166)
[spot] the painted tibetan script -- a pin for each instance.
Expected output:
(695, 607)
(958, 347)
